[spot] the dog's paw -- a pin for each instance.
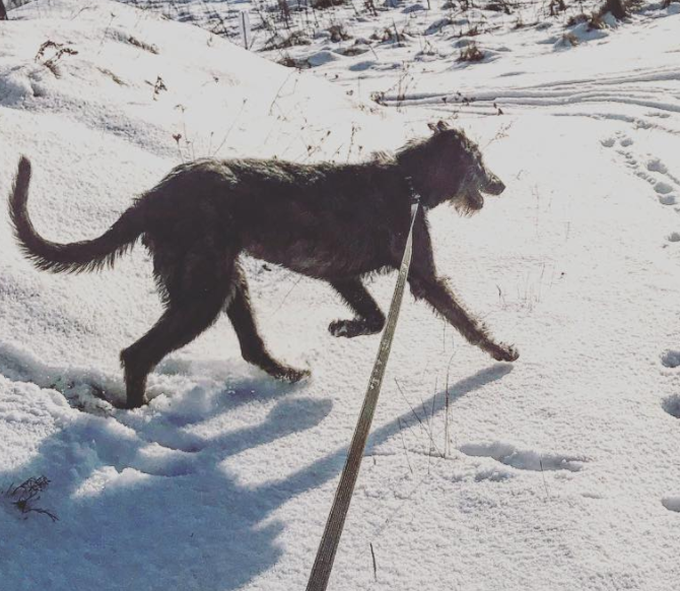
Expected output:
(291, 374)
(354, 328)
(340, 328)
(504, 352)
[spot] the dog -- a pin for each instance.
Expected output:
(333, 222)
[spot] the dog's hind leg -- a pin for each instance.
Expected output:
(178, 326)
(370, 319)
(253, 348)
(197, 288)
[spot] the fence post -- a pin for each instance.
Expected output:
(244, 27)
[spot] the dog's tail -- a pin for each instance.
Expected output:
(76, 257)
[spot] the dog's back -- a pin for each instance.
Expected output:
(324, 220)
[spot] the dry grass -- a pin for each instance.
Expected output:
(59, 51)
(321, 4)
(294, 39)
(25, 496)
(338, 33)
(471, 53)
(150, 47)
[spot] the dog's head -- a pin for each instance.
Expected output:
(448, 166)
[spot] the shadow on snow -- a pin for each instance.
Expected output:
(155, 525)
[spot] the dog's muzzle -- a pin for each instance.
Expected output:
(494, 185)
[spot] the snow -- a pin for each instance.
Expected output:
(559, 471)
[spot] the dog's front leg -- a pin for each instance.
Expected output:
(441, 298)
(426, 285)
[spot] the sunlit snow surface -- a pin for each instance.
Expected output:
(558, 472)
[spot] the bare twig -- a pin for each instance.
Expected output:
(375, 566)
(25, 495)
(545, 484)
(403, 443)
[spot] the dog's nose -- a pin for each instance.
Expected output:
(494, 186)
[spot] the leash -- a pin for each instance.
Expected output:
(325, 556)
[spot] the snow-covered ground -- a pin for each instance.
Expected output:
(560, 471)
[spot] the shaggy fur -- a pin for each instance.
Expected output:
(328, 221)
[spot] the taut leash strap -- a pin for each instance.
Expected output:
(321, 571)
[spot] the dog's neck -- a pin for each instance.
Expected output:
(418, 189)
(418, 183)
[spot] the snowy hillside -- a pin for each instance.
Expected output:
(559, 471)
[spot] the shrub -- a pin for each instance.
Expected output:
(569, 39)
(278, 42)
(557, 6)
(291, 62)
(321, 4)
(338, 33)
(577, 19)
(471, 53)
(498, 6)
(596, 22)
(618, 8)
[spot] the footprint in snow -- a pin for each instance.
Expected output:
(109, 442)
(653, 171)
(665, 193)
(670, 359)
(674, 237)
(671, 503)
(523, 459)
(672, 405)
(655, 165)
(161, 461)
(663, 188)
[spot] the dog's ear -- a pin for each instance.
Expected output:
(439, 126)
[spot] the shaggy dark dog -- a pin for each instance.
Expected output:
(327, 221)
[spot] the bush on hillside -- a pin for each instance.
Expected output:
(471, 53)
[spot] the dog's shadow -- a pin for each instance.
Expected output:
(148, 492)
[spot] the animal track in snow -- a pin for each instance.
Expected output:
(663, 188)
(523, 459)
(671, 503)
(672, 405)
(671, 359)
(162, 461)
(655, 165)
(654, 171)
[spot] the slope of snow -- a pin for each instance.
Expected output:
(557, 472)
